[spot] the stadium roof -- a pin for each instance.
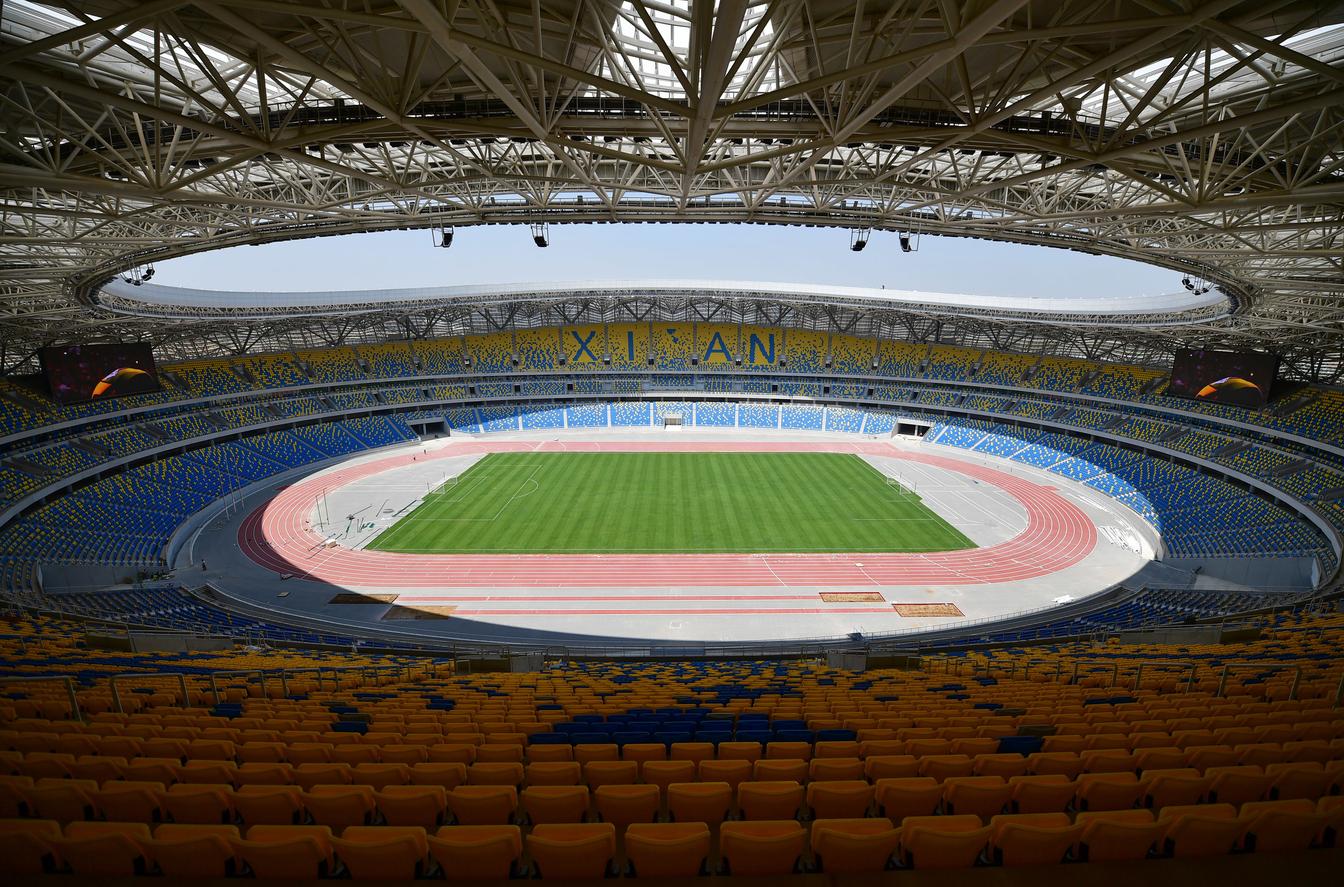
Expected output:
(1205, 136)
(1138, 310)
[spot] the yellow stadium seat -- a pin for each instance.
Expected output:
(443, 773)
(982, 796)
(708, 802)
(495, 773)
(30, 846)
(288, 852)
(665, 773)
(1108, 791)
(1115, 835)
(622, 805)
(942, 842)
(483, 804)
(840, 798)
(195, 851)
(583, 850)
(199, 804)
(667, 849)
(1279, 826)
(599, 773)
(477, 852)
(733, 771)
(762, 849)
(791, 769)
(902, 797)
(105, 848)
(382, 853)
(772, 800)
(425, 806)
(1200, 830)
(853, 845)
(553, 773)
(1019, 839)
(554, 804)
(269, 804)
(339, 806)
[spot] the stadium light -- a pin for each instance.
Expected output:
(441, 235)
(858, 238)
(541, 234)
(1198, 285)
(909, 242)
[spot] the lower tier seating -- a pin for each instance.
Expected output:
(396, 768)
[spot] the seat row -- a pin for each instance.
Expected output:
(274, 763)
(428, 794)
(662, 850)
(231, 743)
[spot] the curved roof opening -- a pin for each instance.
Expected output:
(505, 255)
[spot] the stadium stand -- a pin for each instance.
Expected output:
(534, 418)
(1166, 706)
(671, 346)
(1120, 383)
(497, 418)
(331, 364)
(718, 345)
(950, 363)
(631, 414)
(715, 414)
(538, 349)
(844, 419)
(852, 356)
(806, 351)
(439, 356)
(389, 360)
(1130, 732)
(996, 757)
(630, 345)
(272, 370)
(900, 359)
(491, 353)
(757, 415)
(1180, 502)
(1002, 368)
(801, 418)
(127, 516)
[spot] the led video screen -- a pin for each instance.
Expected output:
(1239, 378)
(78, 373)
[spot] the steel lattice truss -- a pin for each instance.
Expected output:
(1207, 137)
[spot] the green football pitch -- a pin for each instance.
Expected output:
(646, 503)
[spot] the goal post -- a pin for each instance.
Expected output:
(899, 487)
(449, 481)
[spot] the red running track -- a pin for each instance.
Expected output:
(278, 536)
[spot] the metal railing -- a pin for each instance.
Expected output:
(1239, 666)
(69, 682)
(1187, 665)
(214, 675)
(116, 679)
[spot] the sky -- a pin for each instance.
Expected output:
(505, 254)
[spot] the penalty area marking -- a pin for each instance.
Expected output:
(521, 492)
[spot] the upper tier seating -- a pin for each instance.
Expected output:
(1317, 414)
